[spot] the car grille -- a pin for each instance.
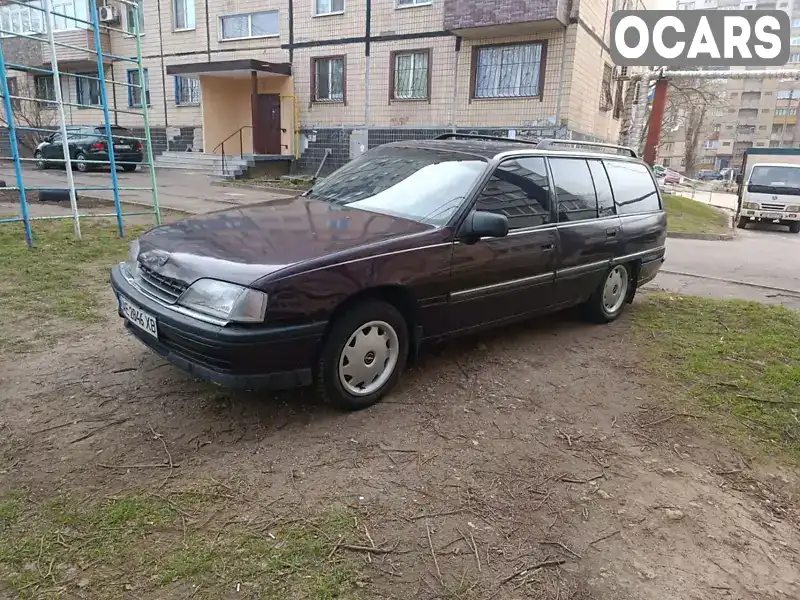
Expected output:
(166, 288)
(773, 207)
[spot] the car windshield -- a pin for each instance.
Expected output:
(418, 184)
(775, 177)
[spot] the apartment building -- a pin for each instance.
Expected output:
(756, 112)
(305, 78)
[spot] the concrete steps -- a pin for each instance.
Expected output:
(207, 164)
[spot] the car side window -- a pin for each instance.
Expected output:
(55, 138)
(634, 188)
(519, 190)
(605, 199)
(575, 193)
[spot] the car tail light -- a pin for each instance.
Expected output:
(138, 145)
(98, 146)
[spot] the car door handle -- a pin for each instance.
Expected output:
(548, 247)
(611, 232)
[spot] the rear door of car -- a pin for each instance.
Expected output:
(496, 279)
(588, 226)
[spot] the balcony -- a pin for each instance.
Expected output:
(498, 18)
(71, 59)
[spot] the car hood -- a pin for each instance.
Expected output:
(246, 244)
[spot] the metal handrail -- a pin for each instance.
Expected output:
(221, 145)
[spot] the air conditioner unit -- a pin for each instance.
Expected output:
(107, 14)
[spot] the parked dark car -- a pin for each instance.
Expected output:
(88, 148)
(410, 243)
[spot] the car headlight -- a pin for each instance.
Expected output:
(133, 256)
(793, 208)
(226, 301)
(751, 205)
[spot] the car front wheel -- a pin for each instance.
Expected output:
(742, 222)
(794, 227)
(41, 163)
(608, 300)
(363, 356)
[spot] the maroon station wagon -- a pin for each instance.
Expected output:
(410, 243)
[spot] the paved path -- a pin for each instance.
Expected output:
(177, 190)
(760, 264)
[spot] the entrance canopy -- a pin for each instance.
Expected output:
(243, 67)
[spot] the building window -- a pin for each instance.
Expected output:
(187, 91)
(88, 90)
(606, 98)
(509, 71)
(668, 147)
(328, 79)
(13, 90)
(796, 23)
(130, 17)
(251, 25)
(183, 14)
(770, 93)
(726, 143)
(21, 18)
(328, 7)
(795, 40)
(407, 3)
(762, 127)
(135, 93)
(44, 87)
(411, 75)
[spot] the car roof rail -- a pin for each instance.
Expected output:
(475, 136)
(550, 143)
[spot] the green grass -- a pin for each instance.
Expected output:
(53, 548)
(685, 215)
(59, 276)
(738, 361)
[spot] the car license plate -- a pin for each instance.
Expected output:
(773, 216)
(121, 147)
(141, 319)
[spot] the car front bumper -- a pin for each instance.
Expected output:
(235, 356)
(770, 215)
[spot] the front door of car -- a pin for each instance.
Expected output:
(497, 279)
(588, 227)
(53, 150)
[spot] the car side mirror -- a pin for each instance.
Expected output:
(480, 224)
(739, 179)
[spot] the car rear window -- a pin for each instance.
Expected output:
(115, 130)
(634, 188)
(419, 184)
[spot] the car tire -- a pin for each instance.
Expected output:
(794, 227)
(608, 301)
(363, 328)
(129, 168)
(41, 163)
(80, 163)
(742, 222)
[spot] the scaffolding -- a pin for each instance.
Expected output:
(12, 100)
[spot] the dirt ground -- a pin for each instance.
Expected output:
(541, 462)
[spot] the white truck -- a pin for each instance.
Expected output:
(769, 187)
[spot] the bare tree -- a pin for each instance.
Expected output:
(30, 114)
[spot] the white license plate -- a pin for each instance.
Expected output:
(773, 216)
(141, 319)
(121, 147)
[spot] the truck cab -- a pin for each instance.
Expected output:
(769, 187)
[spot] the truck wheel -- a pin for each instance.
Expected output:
(794, 227)
(742, 222)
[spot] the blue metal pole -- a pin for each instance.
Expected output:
(101, 75)
(12, 138)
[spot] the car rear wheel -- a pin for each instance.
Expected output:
(608, 300)
(129, 168)
(363, 356)
(80, 162)
(41, 163)
(742, 222)
(794, 227)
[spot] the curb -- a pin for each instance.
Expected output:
(260, 188)
(709, 237)
(785, 291)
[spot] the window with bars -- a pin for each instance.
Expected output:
(183, 15)
(328, 79)
(411, 75)
(250, 25)
(606, 97)
(88, 89)
(328, 7)
(187, 91)
(135, 93)
(130, 17)
(508, 71)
